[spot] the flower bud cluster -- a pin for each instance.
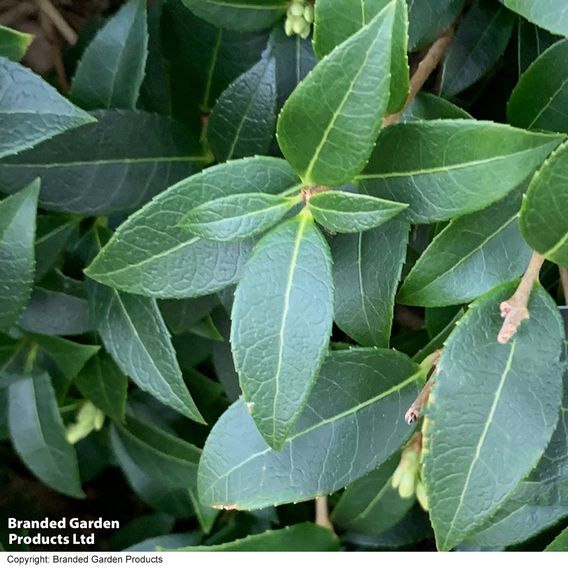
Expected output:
(407, 476)
(299, 18)
(88, 418)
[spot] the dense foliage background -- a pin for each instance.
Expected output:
(259, 273)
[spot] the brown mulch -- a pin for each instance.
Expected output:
(54, 25)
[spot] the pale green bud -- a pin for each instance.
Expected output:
(299, 25)
(306, 33)
(397, 476)
(421, 495)
(77, 431)
(296, 9)
(407, 484)
(309, 13)
(288, 30)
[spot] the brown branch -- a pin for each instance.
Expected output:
(58, 21)
(413, 413)
(425, 68)
(564, 281)
(322, 513)
(515, 309)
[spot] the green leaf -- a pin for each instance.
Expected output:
(13, 43)
(447, 168)
(31, 110)
(243, 119)
(366, 272)
(295, 58)
(543, 221)
(352, 423)
(350, 212)
(237, 216)
(206, 516)
(427, 106)
(429, 18)
(181, 315)
(172, 500)
(102, 382)
(304, 537)
(162, 456)
(203, 59)
(540, 97)
(17, 234)
(339, 20)
(370, 505)
(178, 264)
(508, 396)
(343, 100)
(560, 543)
(53, 234)
(55, 313)
(69, 356)
(38, 435)
(480, 41)
(532, 41)
(548, 14)
(282, 318)
(77, 168)
(469, 257)
(134, 333)
(111, 69)
(242, 15)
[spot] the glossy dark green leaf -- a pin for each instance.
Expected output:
(241, 15)
(172, 500)
(305, 537)
(166, 541)
(31, 111)
(559, 544)
(206, 516)
(548, 14)
(167, 458)
(295, 58)
(339, 20)
(203, 59)
(480, 41)
(237, 216)
(115, 165)
(38, 435)
(489, 400)
(178, 264)
(468, 257)
(243, 119)
(102, 382)
(540, 97)
(282, 319)
(13, 43)
(111, 69)
(69, 356)
(351, 212)
(56, 313)
(429, 18)
(17, 258)
(366, 272)
(352, 423)
(53, 234)
(447, 168)
(343, 100)
(543, 221)
(370, 505)
(180, 315)
(134, 333)
(427, 106)
(532, 41)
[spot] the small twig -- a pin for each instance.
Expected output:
(322, 513)
(58, 21)
(515, 309)
(413, 413)
(564, 281)
(54, 42)
(425, 68)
